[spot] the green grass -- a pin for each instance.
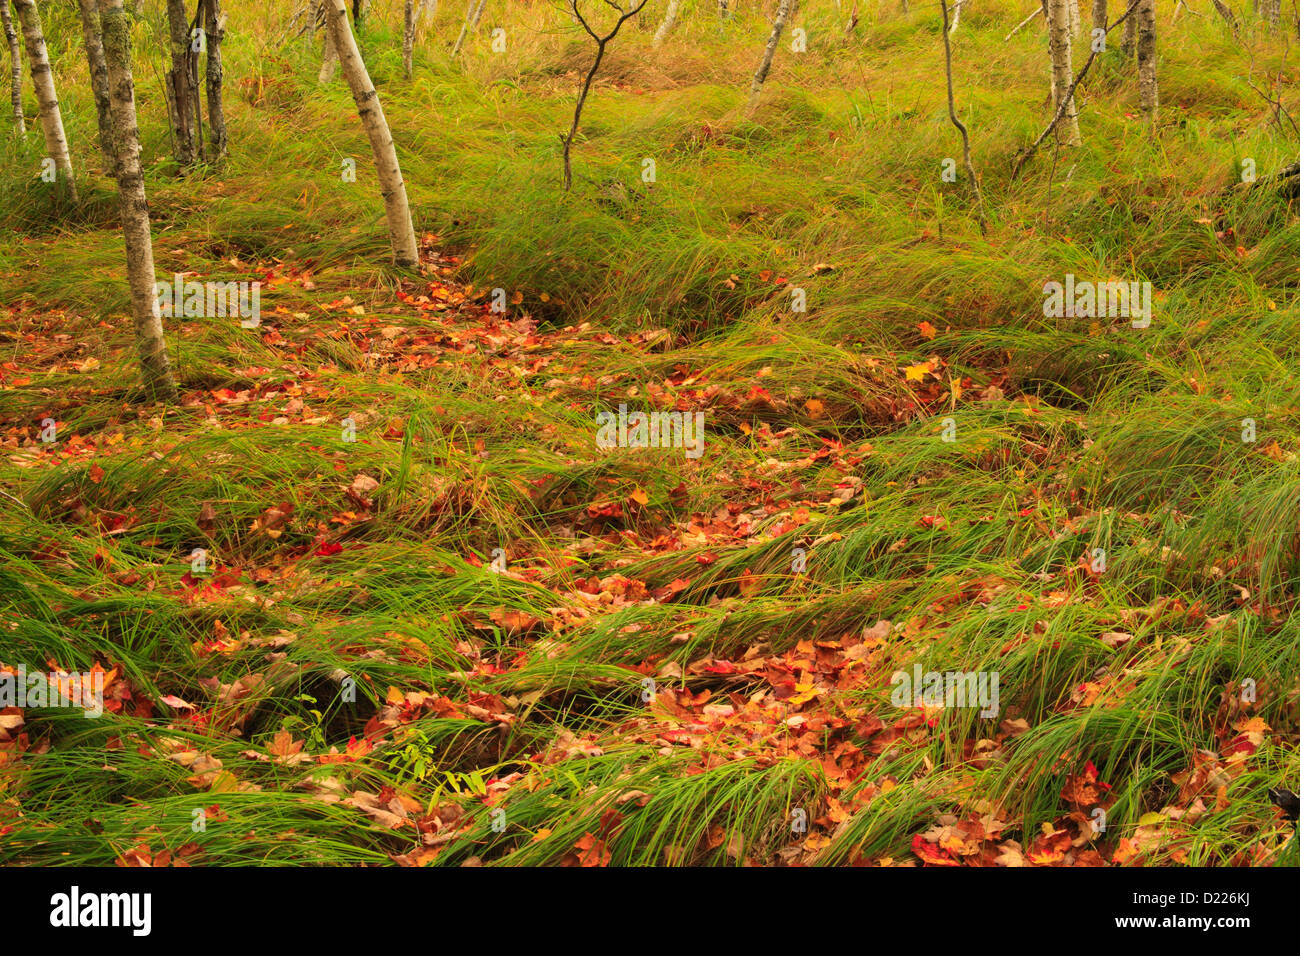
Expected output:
(427, 692)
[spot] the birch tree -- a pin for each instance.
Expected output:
(670, 18)
(15, 70)
(1058, 44)
(90, 28)
(1148, 95)
(408, 38)
(472, 13)
(765, 65)
(401, 231)
(182, 87)
(156, 369)
(56, 143)
(214, 27)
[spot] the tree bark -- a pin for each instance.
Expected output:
(156, 369)
(401, 232)
(182, 87)
(1058, 44)
(1148, 94)
(1129, 44)
(330, 59)
(670, 18)
(214, 25)
(1099, 15)
(15, 70)
(99, 81)
(56, 143)
(765, 65)
(472, 13)
(408, 38)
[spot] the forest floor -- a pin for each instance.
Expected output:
(372, 592)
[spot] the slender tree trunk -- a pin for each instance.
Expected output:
(1148, 94)
(15, 70)
(214, 25)
(1058, 40)
(670, 18)
(1099, 15)
(56, 143)
(428, 9)
(116, 32)
(765, 65)
(472, 14)
(961, 127)
(330, 59)
(1272, 11)
(401, 232)
(99, 81)
(1129, 44)
(182, 86)
(408, 38)
(956, 15)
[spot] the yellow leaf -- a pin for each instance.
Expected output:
(916, 373)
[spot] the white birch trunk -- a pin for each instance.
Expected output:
(116, 32)
(765, 65)
(408, 38)
(401, 232)
(1058, 44)
(670, 18)
(56, 143)
(15, 70)
(99, 81)
(1148, 94)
